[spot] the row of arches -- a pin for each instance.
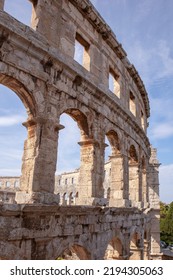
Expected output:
(93, 150)
(116, 249)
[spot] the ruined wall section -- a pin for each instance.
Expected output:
(44, 232)
(57, 83)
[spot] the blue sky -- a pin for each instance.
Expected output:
(145, 30)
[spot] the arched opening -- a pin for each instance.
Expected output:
(30, 156)
(20, 10)
(13, 134)
(114, 169)
(114, 250)
(81, 157)
(75, 252)
(64, 199)
(107, 169)
(134, 194)
(135, 247)
(71, 198)
(68, 148)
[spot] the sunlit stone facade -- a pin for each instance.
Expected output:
(109, 211)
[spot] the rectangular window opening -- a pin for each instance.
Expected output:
(20, 10)
(142, 120)
(132, 104)
(114, 84)
(82, 52)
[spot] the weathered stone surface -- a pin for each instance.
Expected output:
(39, 64)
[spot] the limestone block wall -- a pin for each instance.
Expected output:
(44, 232)
(102, 91)
(9, 183)
(8, 188)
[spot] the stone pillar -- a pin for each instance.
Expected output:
(39, 162)
(144, 188)
(134, 184)
(155, 253)
(153, 180)
(136, 253)
(43, 19)
(117, 190)
(126, 178)
(154, 201)
(2, 4)
(89, 188)
(136, 248)
(146, 250)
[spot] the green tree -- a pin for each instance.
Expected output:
(166, 222)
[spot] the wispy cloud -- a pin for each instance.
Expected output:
(10, 120)
(166, 179)
(162, 130)
(160, 56)
(10, 172)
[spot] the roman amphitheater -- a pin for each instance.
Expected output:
(102, 210)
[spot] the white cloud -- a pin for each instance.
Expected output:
(11, 120)
(166, 183)
(162, 130)
(10, 172)
(153, 63)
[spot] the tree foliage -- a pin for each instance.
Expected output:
(166, 222)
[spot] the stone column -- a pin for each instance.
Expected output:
(117, 191)
(144, 188)
(153, 182)
(136, 253)
(89, 186)
(2, 4)
(39, 162)
(136, 249)
(134, 184)
(146, 250)
(126, 178)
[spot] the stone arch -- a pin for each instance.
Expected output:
(133, 156)
(114, 250)
(22, 92)
(116, 170)
(25, 94)
(71, 198)
(75, 252)
(89, 184)
(31, 91)
(114, 141)
(81, 119)
(64, 199)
